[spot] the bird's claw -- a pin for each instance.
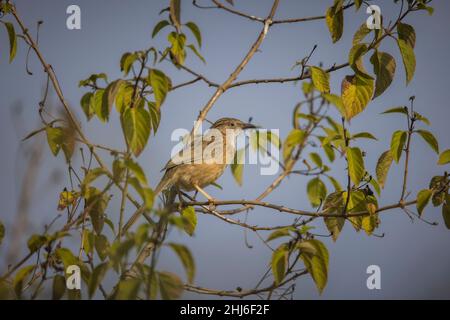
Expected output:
(211, 204)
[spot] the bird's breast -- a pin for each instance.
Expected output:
(199, 174)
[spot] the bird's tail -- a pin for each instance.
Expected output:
(165, 182)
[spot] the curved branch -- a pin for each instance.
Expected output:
(294, 20)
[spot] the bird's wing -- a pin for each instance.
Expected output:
(196, 154)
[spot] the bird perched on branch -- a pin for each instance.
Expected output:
(200, 163)
(204, 158)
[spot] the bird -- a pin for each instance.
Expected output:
(191, 170)
(204, 158)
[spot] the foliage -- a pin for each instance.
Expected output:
(111, 244)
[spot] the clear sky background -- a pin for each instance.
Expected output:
(414, 257)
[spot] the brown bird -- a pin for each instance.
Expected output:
(204, 159)
(201, 162)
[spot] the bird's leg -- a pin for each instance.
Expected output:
(195, 194)
(180, 197)
(211, 200)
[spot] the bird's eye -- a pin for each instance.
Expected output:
(232, 124)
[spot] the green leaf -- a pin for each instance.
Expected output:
(99, 108)
(190, 218)
(316, 159)
(195, 51)
(97, 202)
(2, 232)
(369, 223)
(335, 20)
(109, 97)
(356, 53)
(337, 186)
(12, 40)
(237, 167)
(317, 191)
(407, 34)
(284, 232)
(320, 79)
(86, 105)
(101, 246)
(361, 33)
(177, 49)
(356, 92)
(358, 4)
(423, 197)
(119, 250)
(35, 242)
(446, 214)
(124, 97)
(159, 26)
(429, 9)
(96, 278)
(170, 286)
(279, 263)
(444, 158)
(438, 184)
(67, 257)
(146, 193)
(376, 186)
(294, 138)
(329, 151)
(334, 204)
(365, 135)
(136, 127)
(383, 165)
(137, 170)
(409, 59)
(420, 117)
(185, 256)
(91, 176)
(20, 278)
(430, 139)
(127, 61)
(88, 240)
(335, 100)
(397, 143)
(315, 257)
(58, 287)
(55, 137)
(195, 31)
(160, 84)
(74, 294)
(127, 289)
(155, 115)
(355, 165)
(384, 68)
(403, 110)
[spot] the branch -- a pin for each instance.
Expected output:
(294, 20)
(221, 89)
(242, 293)
(288, 79)
(282, 208)
(219, 5)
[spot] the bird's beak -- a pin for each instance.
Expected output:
(249, 126)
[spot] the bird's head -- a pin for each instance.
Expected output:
(231, 124)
